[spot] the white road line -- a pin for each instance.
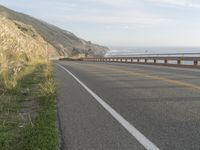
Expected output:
(130, 128)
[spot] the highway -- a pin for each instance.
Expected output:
(118, 106)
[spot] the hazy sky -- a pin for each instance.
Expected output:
(121, 22)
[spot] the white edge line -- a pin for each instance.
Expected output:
(130, 128)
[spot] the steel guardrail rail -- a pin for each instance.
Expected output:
(183, 61)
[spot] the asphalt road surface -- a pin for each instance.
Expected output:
(116, 106)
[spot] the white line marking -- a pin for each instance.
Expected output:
(130, 128)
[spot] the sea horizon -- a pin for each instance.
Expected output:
(123, 50)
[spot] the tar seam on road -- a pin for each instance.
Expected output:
(130, 128)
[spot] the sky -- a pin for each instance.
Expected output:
(120, 22)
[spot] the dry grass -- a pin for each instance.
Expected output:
(48, 87)
(17, 49)
(23, 65)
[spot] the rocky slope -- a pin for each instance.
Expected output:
(58, 42)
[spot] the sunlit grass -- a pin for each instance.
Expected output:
(25, 74)
(47, 88)
(36, 82)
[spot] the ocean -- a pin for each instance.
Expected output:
(131, 51)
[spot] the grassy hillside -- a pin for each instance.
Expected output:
(64, 42)
(17, 48)
(27, 90)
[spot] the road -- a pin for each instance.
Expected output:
(161, 103)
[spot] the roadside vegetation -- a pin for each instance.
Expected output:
(27, 92)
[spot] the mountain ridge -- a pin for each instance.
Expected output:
(64, 43)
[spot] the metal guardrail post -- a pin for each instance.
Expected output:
(195, 62)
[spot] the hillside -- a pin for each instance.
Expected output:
(57, 41)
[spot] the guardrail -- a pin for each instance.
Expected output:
(161, 60)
